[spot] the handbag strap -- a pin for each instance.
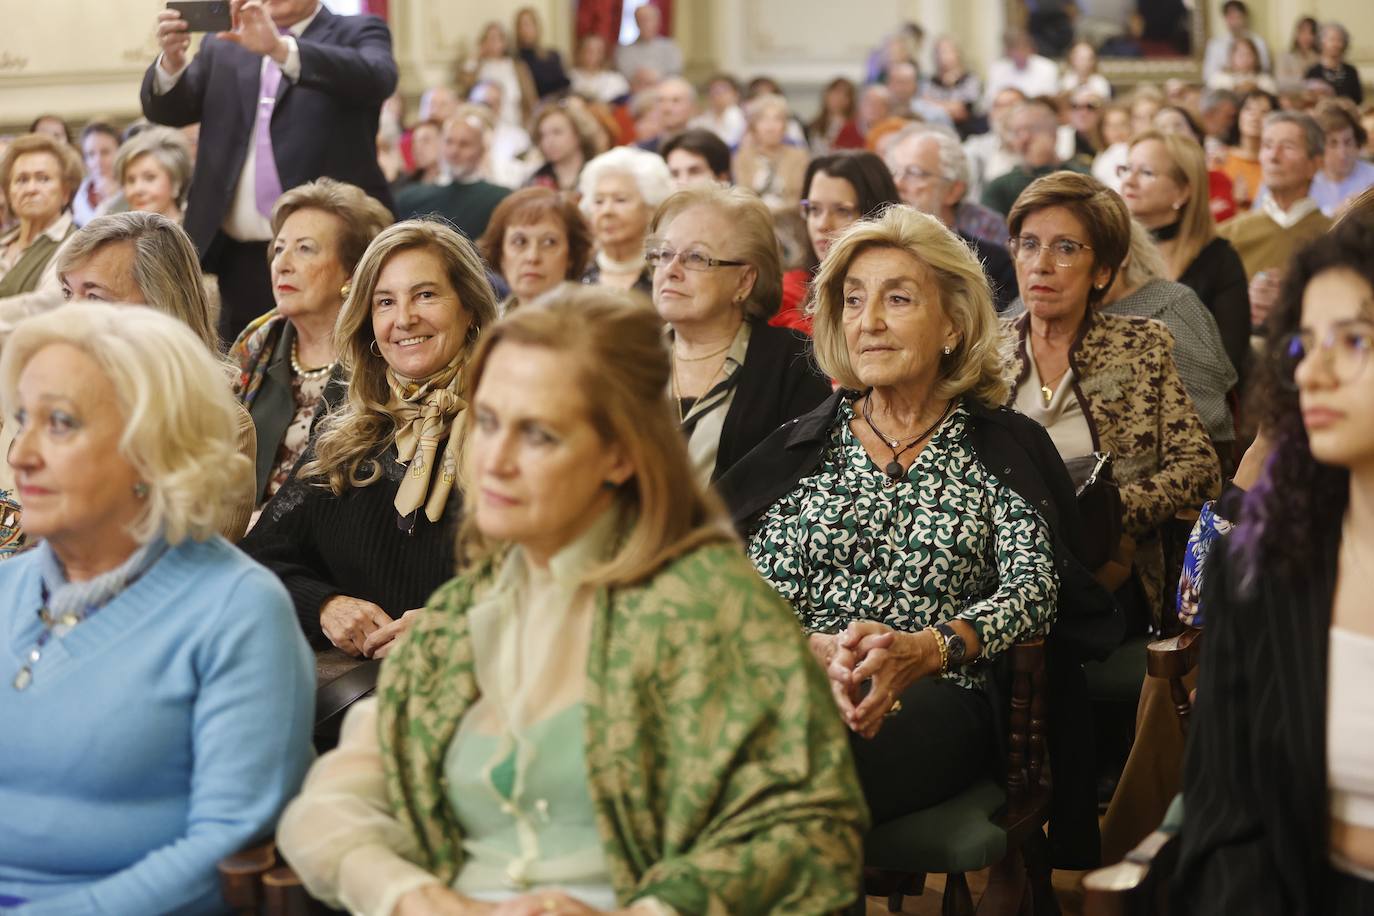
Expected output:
(345, 690)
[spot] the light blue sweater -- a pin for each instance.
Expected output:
(158, 736)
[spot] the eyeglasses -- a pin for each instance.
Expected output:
(1144, 173)
(661, 256)
(913, 173)
(1027, 250)
(843, 213)
(1346, 346)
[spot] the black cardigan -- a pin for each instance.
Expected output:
(321, 545)
(1088, 624)
(1218, 278)
(778, 381)
(1255, 820)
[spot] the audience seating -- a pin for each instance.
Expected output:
(255, 882)
(986, 826)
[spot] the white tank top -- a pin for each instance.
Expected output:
(1350, 727)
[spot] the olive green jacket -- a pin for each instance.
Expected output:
(719, 767)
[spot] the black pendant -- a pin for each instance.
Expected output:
(894, 470)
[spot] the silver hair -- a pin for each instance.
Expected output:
(649, 171)
(1311, 130)
(953, 160)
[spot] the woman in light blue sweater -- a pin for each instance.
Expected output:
(155, 691)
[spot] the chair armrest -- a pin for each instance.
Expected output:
(1174, 657)
(240, 876)
(1136, 886)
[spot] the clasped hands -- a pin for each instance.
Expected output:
(252, 29)
(889, 660)
(361, 627)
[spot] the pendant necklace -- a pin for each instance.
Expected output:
(894, 469)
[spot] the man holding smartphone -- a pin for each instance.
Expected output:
(289, 93)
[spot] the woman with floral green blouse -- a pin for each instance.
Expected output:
(909, 521)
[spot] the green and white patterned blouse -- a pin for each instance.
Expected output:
(948, 541)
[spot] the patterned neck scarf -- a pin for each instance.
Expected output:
(425, 411)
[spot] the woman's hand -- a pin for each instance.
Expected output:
(822, 645)
(891, 661)
(1264, 294)
(383, 640)
(544, 903)
(438, 900)
(349, 621)
(1114, 573)
(890, 669)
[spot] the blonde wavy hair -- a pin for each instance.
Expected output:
(351, 437)
(975, 368)
(1188, 168)
(621, 367)
(181, 423)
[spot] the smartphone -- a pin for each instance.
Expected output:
(203, 15)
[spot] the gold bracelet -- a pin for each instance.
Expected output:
(944, 650)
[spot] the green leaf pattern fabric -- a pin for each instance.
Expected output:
(719, 767)
(947, 541)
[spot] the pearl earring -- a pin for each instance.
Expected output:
(948, 349)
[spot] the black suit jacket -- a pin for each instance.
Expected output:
(997, 267)
(1255, 822)
(324, 125)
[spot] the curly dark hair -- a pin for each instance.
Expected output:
(1291, 520)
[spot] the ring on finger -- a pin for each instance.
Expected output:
(896, 708)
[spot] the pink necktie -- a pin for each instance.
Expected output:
(266, 181)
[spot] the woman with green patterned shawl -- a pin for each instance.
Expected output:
(608, 711)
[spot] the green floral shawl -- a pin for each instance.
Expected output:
(719, 768)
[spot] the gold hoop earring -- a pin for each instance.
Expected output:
(374, 348)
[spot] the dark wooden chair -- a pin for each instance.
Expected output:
(255, 882)
(1000, 827)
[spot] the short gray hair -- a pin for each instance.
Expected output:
(649, 171)
(168, 147)
(1312, 132)
(166, 268)
(953, 160)
(1336, 27)
(181, 431)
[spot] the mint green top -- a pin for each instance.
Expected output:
(516, 770)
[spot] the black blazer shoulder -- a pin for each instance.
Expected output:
(1254, 837)
(778, 381)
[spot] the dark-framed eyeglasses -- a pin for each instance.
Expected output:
(692, 259)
